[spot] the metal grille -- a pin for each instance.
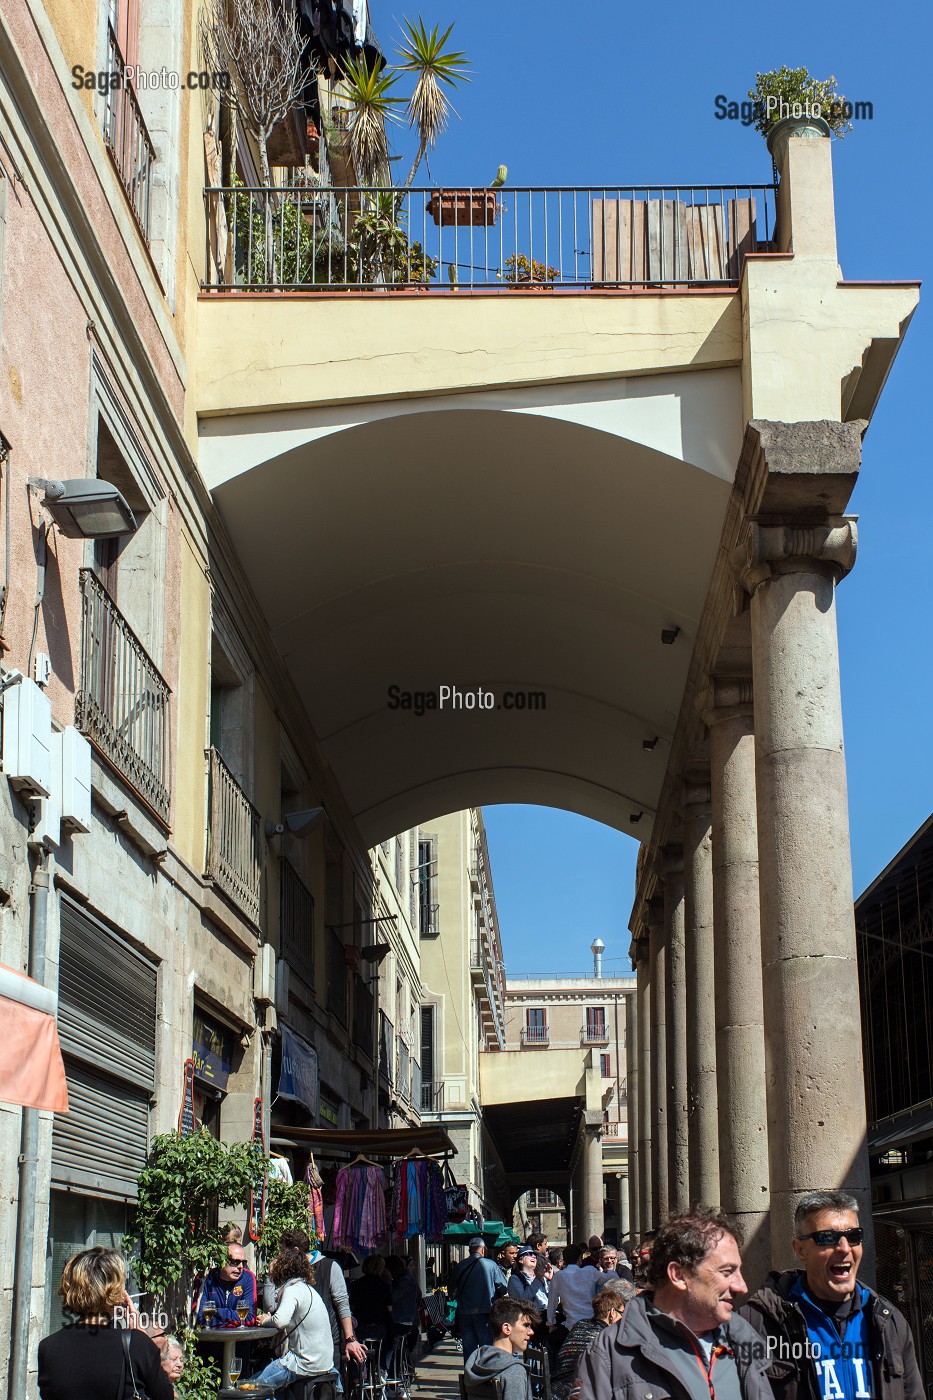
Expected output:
(432, 1096)
(123, 703)
(100, 1144)
(403, 1084)
(517, 238)
(386, 1047)
(296, 922)
(234, 853)
(126, 135)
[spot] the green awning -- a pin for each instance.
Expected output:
(493, 1227)
(507, 1237)
(464, 1231)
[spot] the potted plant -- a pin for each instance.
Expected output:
(789, 102)
(464, 208)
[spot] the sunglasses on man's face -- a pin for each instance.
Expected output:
(827, 1239)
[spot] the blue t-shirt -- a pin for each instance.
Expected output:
(843, 1365)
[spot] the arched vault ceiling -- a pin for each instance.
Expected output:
(479, 548)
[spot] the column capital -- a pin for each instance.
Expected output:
(669, 861)
(654, 914)
(765, 551)
(724, 698)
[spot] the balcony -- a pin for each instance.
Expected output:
(386, 1047)
(594, 1033)
(432, 1096)
(123, 703)
(234, 853)
(403, 1082)
(336, 976)
(126, 136)
(535, 1035)
(429, 920)
(296, 922)
(311, 237)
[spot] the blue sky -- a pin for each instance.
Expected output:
(582, 95)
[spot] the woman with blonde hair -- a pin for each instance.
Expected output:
(91, 1359)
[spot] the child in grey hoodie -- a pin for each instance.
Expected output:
(512, 1324)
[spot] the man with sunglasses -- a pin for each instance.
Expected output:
(229, 1288)
(828, 1336)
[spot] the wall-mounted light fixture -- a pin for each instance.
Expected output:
(669, 635)
(298, 824)
(649, 744)
(86, 508)
(635, 816)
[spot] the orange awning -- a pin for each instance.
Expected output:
(31, 1071)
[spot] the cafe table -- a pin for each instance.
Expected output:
(228, 1338)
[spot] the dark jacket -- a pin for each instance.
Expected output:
(776, 1316)
(629, 1362)
(85, 1363)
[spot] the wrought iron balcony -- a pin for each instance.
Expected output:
(386, 1047)
(594, 1033)
(432, 1096)
(296, 922)
(535, 1035)
(512, 239)
(126, 135)
(123, 703)
(234, 853)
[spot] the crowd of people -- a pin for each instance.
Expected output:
(676, 1323)
(670, 1321)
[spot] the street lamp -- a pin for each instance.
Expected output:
(86, 509)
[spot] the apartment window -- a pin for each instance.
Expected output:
(427, 888)
(595, 1023)
(399, 864)
(536, 1025)
(604, 1067)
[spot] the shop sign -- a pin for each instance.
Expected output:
(330, 1111)
(298, 1077)
(187, 1123)
(212, 1051)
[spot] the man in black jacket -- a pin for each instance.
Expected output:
(683, 1340)
(829, 1337)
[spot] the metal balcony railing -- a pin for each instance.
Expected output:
(594, 1033)
(123, 702)
(126, 135)
(535, 1035)
(403, 1082)
(386, 1047)
(234, 853)
(428, 919)
(432, 1096)
(296, 921)
(519, 238)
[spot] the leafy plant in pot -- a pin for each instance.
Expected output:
(789, 102)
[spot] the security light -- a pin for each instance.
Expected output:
(669, 635)
(298, 823)
(375, 952)
(86, 509)
(635, 816)
(649, 744)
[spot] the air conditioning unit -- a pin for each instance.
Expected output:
(74, 763)
(264, 984)
(48, 829)
(27, 738)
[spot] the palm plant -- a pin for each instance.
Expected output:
(369, 94)
(435, 67)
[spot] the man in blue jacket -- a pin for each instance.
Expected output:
(827, 1336)
(228, 1288)
(474, 1284)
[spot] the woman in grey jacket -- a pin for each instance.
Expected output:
(302, 1316)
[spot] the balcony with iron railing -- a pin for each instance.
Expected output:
(123, 702)
(432, 1096)
(403, 1081)
(594, 1033)
(126, 135)
(535, 1035)
(386, 1048)
(234, 852)
(311, 237)
(296, 922)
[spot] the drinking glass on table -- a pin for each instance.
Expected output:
(242, 1311)
(210, 1312)
(236, 1366)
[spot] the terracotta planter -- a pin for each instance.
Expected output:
(464, 208)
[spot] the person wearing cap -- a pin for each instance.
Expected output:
(475, 1284)
(527, 1285)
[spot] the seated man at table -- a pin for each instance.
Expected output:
(227, 1288)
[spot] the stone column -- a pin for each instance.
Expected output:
(643, 1028)
(592, 1176)
(632, 1091)
(702, 1096)
(622, 1214)
(795, 547)
(740, 1042)
(657, 958)
(678, 1175)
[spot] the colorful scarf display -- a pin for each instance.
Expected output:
(419, 1205)
(316, 1227)
(360, 1209)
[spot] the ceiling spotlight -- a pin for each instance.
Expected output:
(669, 635)
(649, 744)
(86, 509)
(635, 816)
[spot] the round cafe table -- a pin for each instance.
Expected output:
(228, 1338)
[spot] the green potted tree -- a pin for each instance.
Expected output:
(791, 103)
